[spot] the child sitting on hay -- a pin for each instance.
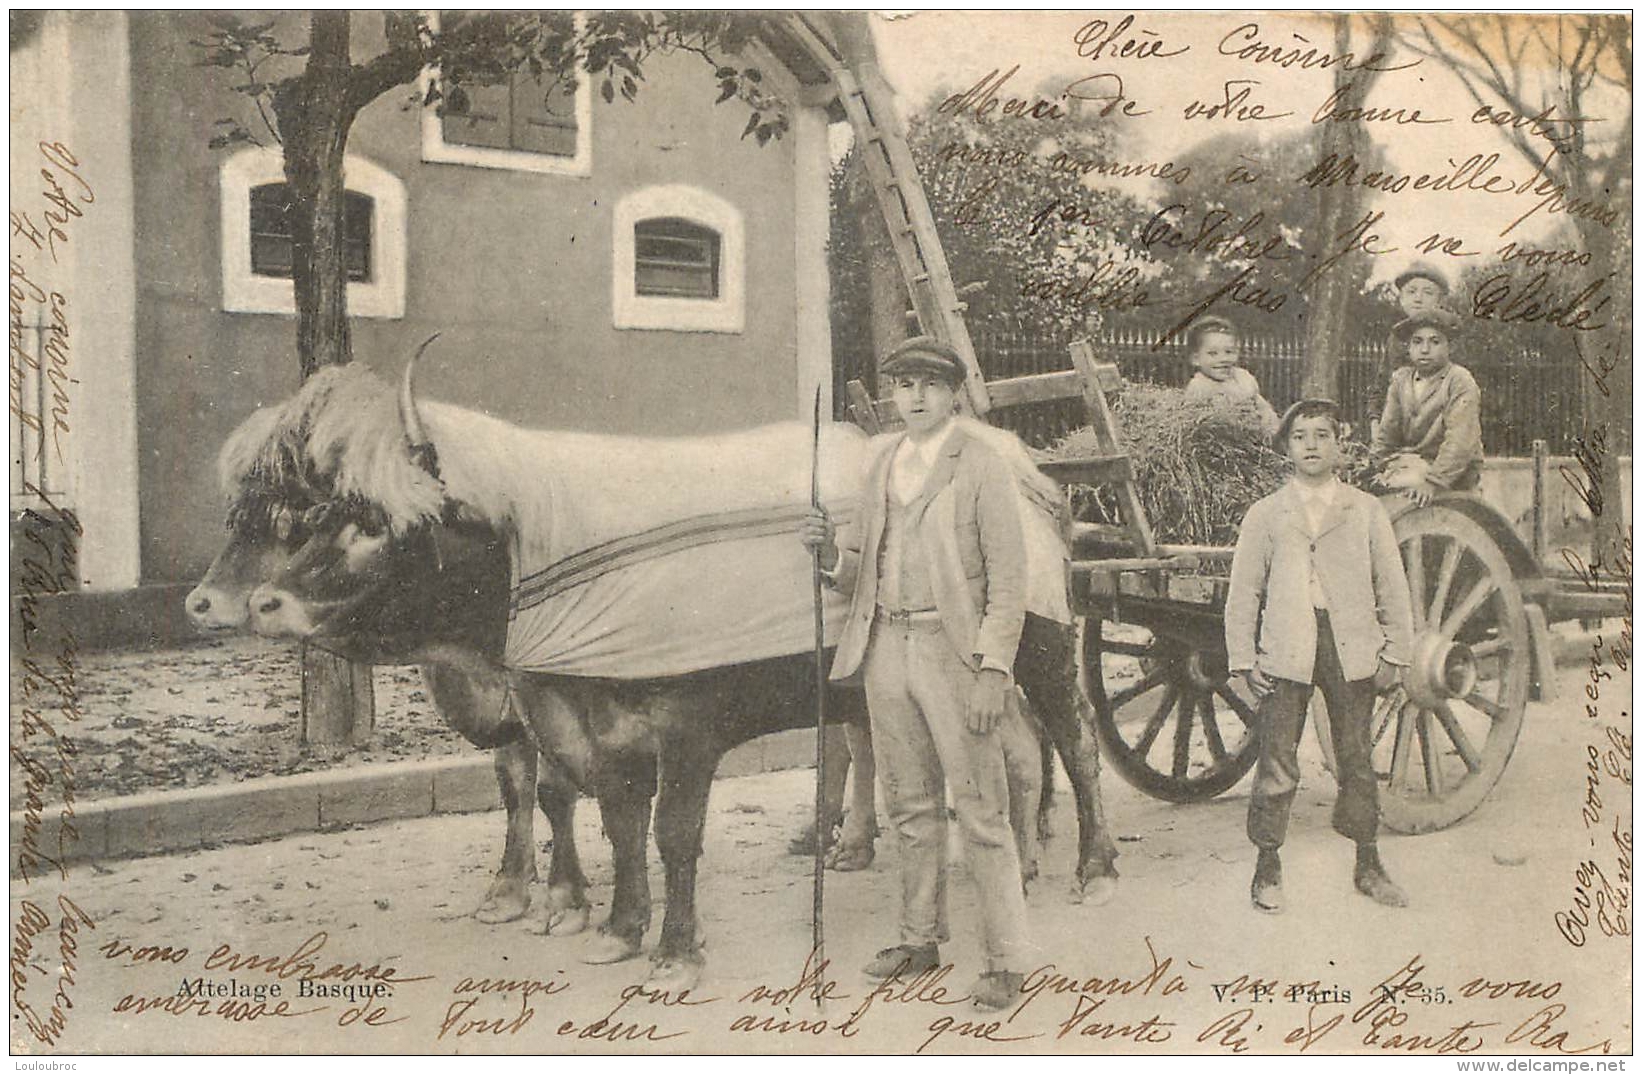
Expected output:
(1214, 346)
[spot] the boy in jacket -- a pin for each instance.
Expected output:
(1318, 598)
(1429, 439)
(937, 572)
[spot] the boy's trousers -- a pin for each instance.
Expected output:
(1282, 719)
(916, 691)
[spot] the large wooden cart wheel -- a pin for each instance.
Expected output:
(1168, 719)
(1441, 739)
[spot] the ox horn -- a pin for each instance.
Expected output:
(415, 433)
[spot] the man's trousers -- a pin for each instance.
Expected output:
(917, 688)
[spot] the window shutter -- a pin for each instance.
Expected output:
(544, 122)
(485, 123)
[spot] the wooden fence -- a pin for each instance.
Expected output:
(1526, 396)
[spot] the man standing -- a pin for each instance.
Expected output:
(937, 573)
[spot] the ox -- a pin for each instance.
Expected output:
(391, 571)
(267, 522)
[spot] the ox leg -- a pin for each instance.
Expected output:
(837, 752)
(1046, 669)
(687, 766)
(1046, 794)
(625, 785)
(855, 840)
(567, 908)
(509, 895)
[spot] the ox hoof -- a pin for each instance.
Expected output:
(1095, 892)
(674, 975)
(563, 921)
(507, 906)
(605, 948)
(848, 858)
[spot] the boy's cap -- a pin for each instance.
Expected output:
(1312, 405)
(924, 354)
(1436, 317)
(1423, 270)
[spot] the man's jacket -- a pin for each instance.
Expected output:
(1270, 622)
(967, 525)
(1442, 425)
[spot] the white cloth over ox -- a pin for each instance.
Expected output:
(657, 557)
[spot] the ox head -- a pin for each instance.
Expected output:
(380, 590)
(262, 469)
(263, 532)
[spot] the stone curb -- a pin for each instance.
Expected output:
(266, 807)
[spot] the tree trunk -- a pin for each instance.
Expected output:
(1339, 207)
(315, 115)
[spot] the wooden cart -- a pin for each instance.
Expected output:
(1153, 641)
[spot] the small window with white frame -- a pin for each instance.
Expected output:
(679, 261)
(258, 244)
(523, 123)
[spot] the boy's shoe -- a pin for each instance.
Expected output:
(1373, 882)
(904, 959)
(996, 990)
(1266, 891)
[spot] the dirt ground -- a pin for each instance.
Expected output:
(223, 710)
(1478, 962)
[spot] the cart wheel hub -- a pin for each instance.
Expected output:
(1441, 670)
(1201, 674)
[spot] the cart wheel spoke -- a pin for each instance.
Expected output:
(1466, 608)
(1414, 558)
(1457, 736)
(1399, 751)
(1183, 737)
(1487, 705)
(1429, 755)
(1211, 729)
(1135, 690)
(1445, 581)
(1389, 706)
(1244, 711)
(1149, 736)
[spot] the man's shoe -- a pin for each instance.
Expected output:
(1266, 891)
(906, 960)
(1373, 883)
(996, 990)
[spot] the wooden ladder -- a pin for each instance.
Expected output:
(869, 104)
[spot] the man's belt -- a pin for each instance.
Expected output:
(906, 617)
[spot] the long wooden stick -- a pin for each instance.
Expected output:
(818, 896)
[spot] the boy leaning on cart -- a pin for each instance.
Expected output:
(1318, 599)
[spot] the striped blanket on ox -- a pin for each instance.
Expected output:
(662, 557)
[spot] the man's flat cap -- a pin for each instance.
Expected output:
(924, 354)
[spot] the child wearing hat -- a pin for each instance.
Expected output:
(936, 567)
(1318, 599)
(1420, 288)
(1429, 439)
(1213, 346)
